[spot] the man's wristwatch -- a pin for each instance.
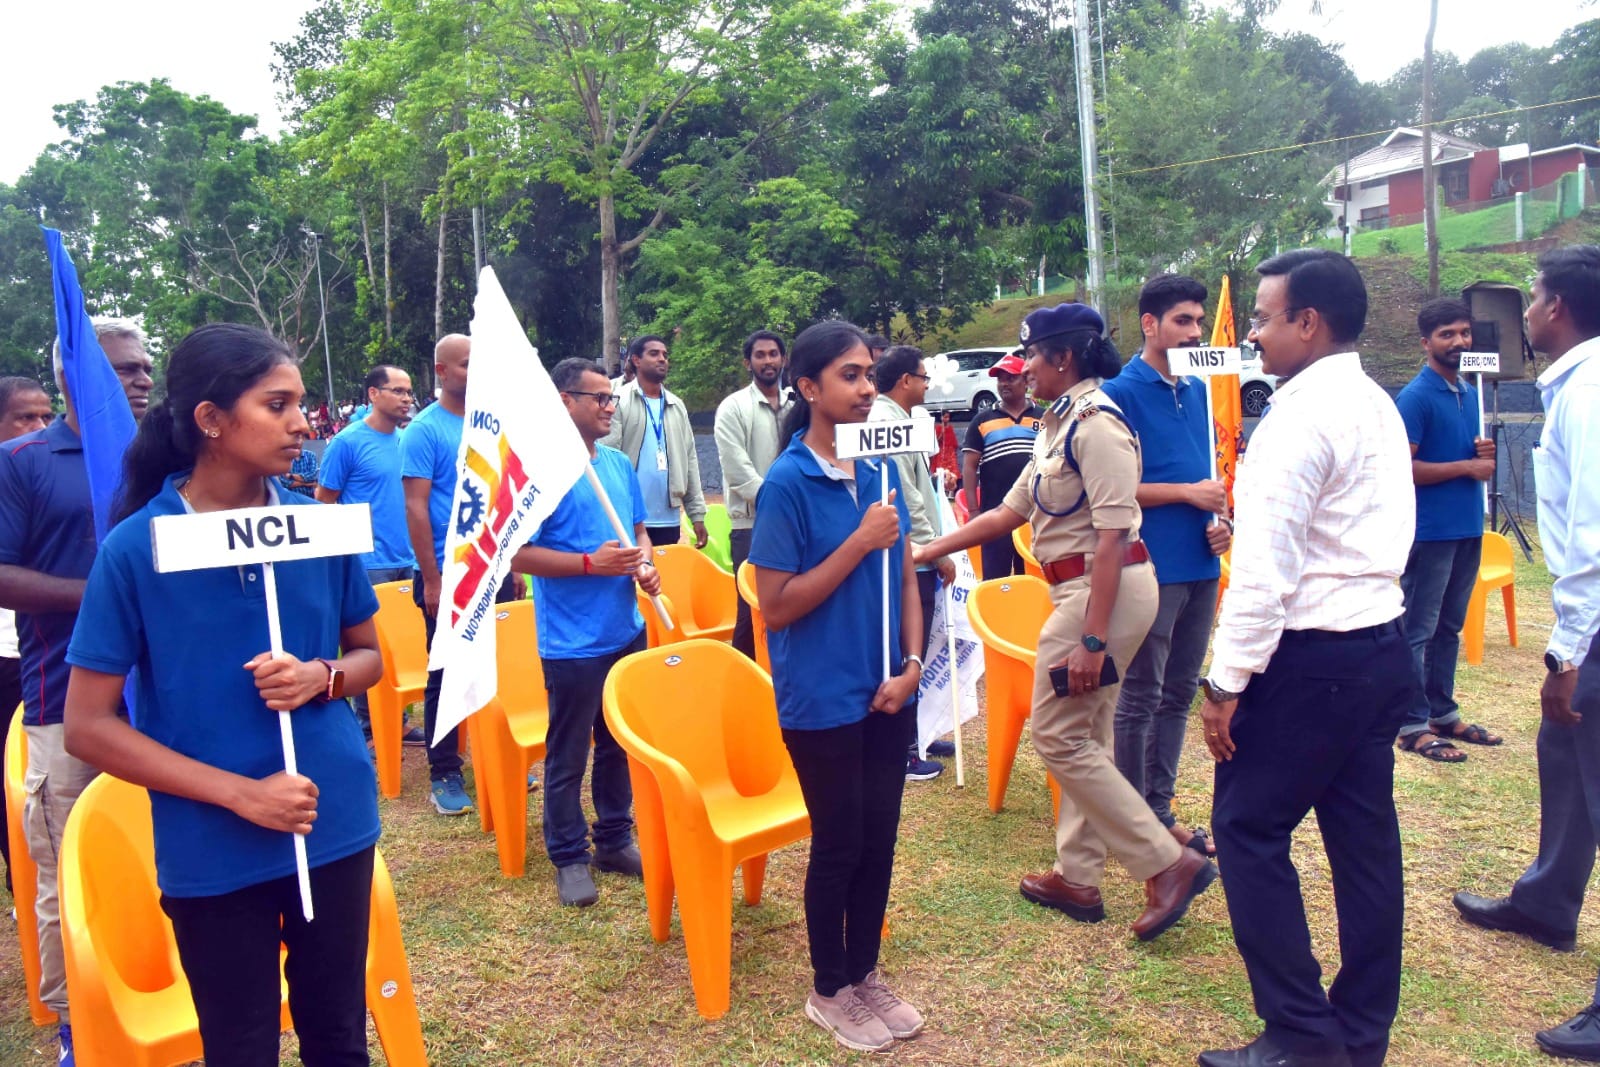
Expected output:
(1556, 665)
(1216, 694)
(913, 658)
(335, 688)
(1093, 643)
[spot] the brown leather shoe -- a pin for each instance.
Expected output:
(1081, 902)
(1168, 895)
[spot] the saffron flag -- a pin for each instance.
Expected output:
(937, 691)
(105, 421)
(520, 454)
(1227, 411)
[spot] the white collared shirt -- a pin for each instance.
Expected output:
(1569, 505)
(1325, 512)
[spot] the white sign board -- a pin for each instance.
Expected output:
(1480, 363)
(1204, 362)
(271, 534)
(853, 440)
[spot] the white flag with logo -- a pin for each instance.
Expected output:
(520, 454)
(936, 691)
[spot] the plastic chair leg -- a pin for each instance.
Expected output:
(384, 709)
(485, 803)
(1472, 631)
(1004, 733)
(1508, 596)
(1055, 798)
(390, 998)
(502, 776)
(754, 871)
(705, 905)
(655, 856)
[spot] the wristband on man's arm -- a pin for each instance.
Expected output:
(588, 565)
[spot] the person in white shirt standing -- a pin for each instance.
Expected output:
(1564, 322)
(1311, 674)
(748, 440)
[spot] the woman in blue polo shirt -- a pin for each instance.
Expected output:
(816, 546)
(207, 743)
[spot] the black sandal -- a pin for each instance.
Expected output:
(1430, 749)
(1474, 735)
(1200, 841)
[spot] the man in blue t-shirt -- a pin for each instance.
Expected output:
(1186, 529)
(1450, 461)
(361, 465)
(588, 619)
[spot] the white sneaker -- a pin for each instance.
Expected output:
(901, 1018)
(846, 1016)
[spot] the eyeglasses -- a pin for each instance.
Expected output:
(924, 377)
(603, 400)
(1258, 321)
(407, 393)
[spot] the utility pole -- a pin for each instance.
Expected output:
(1082, 63)
(322, 301)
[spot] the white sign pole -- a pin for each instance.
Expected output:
(955, 680)
(302, 868)
(1481, 363)
(883, 498)
(624, 535)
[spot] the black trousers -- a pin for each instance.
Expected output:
(228, 946)
(852, 778)
(664, 535)
(1315, 732)
(10, 697)
(1000, 559)
(744, 632)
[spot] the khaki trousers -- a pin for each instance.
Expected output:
(53, 782)
(1073, 736)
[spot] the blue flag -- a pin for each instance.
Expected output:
(105, 421)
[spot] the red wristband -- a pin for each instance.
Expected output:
(588, 568)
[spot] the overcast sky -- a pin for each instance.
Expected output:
(65, 50)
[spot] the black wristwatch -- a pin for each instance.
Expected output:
(1093, 643)
(1556, 665)
(1216, 694)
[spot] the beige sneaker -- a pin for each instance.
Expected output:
(846, 1016)
(901, 1018)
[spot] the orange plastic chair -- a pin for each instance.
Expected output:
(24, 873)
(1008, 614)
(1496, 570)
(403, 643)
(713, 789)
(702, 593)
(1022, 538)
(656, 634)
(508, 735)
(131, 1005)
(746, 580)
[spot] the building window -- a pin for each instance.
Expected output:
(1375, 218)
(1455, 185)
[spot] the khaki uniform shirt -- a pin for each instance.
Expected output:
(1107, 454)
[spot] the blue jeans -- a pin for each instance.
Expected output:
(1157, 688)
(575, 687)
(1437, 584)
(377, 576)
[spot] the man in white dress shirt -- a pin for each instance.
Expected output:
(1564, 323)
(1311, 675)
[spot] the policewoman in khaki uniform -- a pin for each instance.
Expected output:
(1078, 492)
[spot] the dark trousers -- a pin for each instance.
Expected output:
(1551, 890)
(444, 759)
(744, 631)
(1000, 559)
(10, 697)
(1314, 732)
(1437, 584)
(575, 687)
(664, 535)
(927, 586)
(852, 778)
(228, 945)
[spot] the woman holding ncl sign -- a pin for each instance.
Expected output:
(817, 546)
(207, 743)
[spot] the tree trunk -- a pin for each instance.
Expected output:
(610, 271)
(438, 287)
(388, 279)
(366, 249)
(1430, 220)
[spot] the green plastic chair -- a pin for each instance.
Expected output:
(718, 529)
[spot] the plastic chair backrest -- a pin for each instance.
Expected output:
(703, 709)
(719, 529)
(402, 634)
(24, 873)
(516, 653)
(1009, 612)
(1497, 558)
(746, 581)
(697, 586)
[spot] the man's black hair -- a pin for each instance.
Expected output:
(1326, 281)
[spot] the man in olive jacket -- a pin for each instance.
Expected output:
(651, 427)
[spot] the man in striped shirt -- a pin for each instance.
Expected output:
(998, 447)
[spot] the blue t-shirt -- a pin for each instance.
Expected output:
(652, 467)
(828, 664)
(589, 615)
(46, 525)
(362, 465)
(1442, 422)
(429, 450)
(1174, 441)
(189, 634)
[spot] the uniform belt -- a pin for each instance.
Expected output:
(1070, 567)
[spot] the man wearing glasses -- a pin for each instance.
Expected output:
(361, 465)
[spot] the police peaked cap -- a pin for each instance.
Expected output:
(1063, 318)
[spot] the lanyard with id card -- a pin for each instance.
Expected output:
(659, 425)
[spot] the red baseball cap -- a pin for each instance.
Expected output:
(1009, 364)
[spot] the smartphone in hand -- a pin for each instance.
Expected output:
(1062, 685)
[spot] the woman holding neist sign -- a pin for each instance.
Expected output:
(207, 744)
(816, 548)
(1078, 491)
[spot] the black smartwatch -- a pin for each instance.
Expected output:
(1555, 665)
(1093, 643)
(1216, 694)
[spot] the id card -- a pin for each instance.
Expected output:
(661, 461)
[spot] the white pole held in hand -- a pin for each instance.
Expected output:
(623, 535)
(883, 498)
(955, 680)
(302, 868)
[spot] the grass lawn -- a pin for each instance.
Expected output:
(506, 977)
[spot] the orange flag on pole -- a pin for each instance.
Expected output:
(1227, 412)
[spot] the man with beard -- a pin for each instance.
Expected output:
(651, 426)
(748, 440)
(1450, 461)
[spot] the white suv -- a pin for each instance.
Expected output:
(972, 389)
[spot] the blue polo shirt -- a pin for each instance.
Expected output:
(828, 664)
(1442, 422)
(189, 633)
(362, 465)
(429, 450)
(1174, 442)
(46, 525)
(592, 614)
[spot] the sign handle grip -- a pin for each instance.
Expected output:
(623, 534)
(302, 867)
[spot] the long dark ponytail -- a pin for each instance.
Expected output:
(817, 346)
(217, 362)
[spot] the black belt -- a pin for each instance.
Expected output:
(1382, 629)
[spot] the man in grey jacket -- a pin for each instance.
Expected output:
(749, 438)
(651, 427)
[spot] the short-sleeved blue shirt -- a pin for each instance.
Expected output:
(1174, 439)
(1443, 422)
(828, 664)
(592, 614)
(189, 634)
(429, 450)
(46, 525)
(362, 465)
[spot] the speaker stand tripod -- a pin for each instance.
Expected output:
(1502, 519)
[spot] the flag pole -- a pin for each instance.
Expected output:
(955, 680)
(623, 535)
(302, 867)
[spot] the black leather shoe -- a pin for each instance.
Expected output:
(1576, 1039)
(1501, 914)
(1265, 1052)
